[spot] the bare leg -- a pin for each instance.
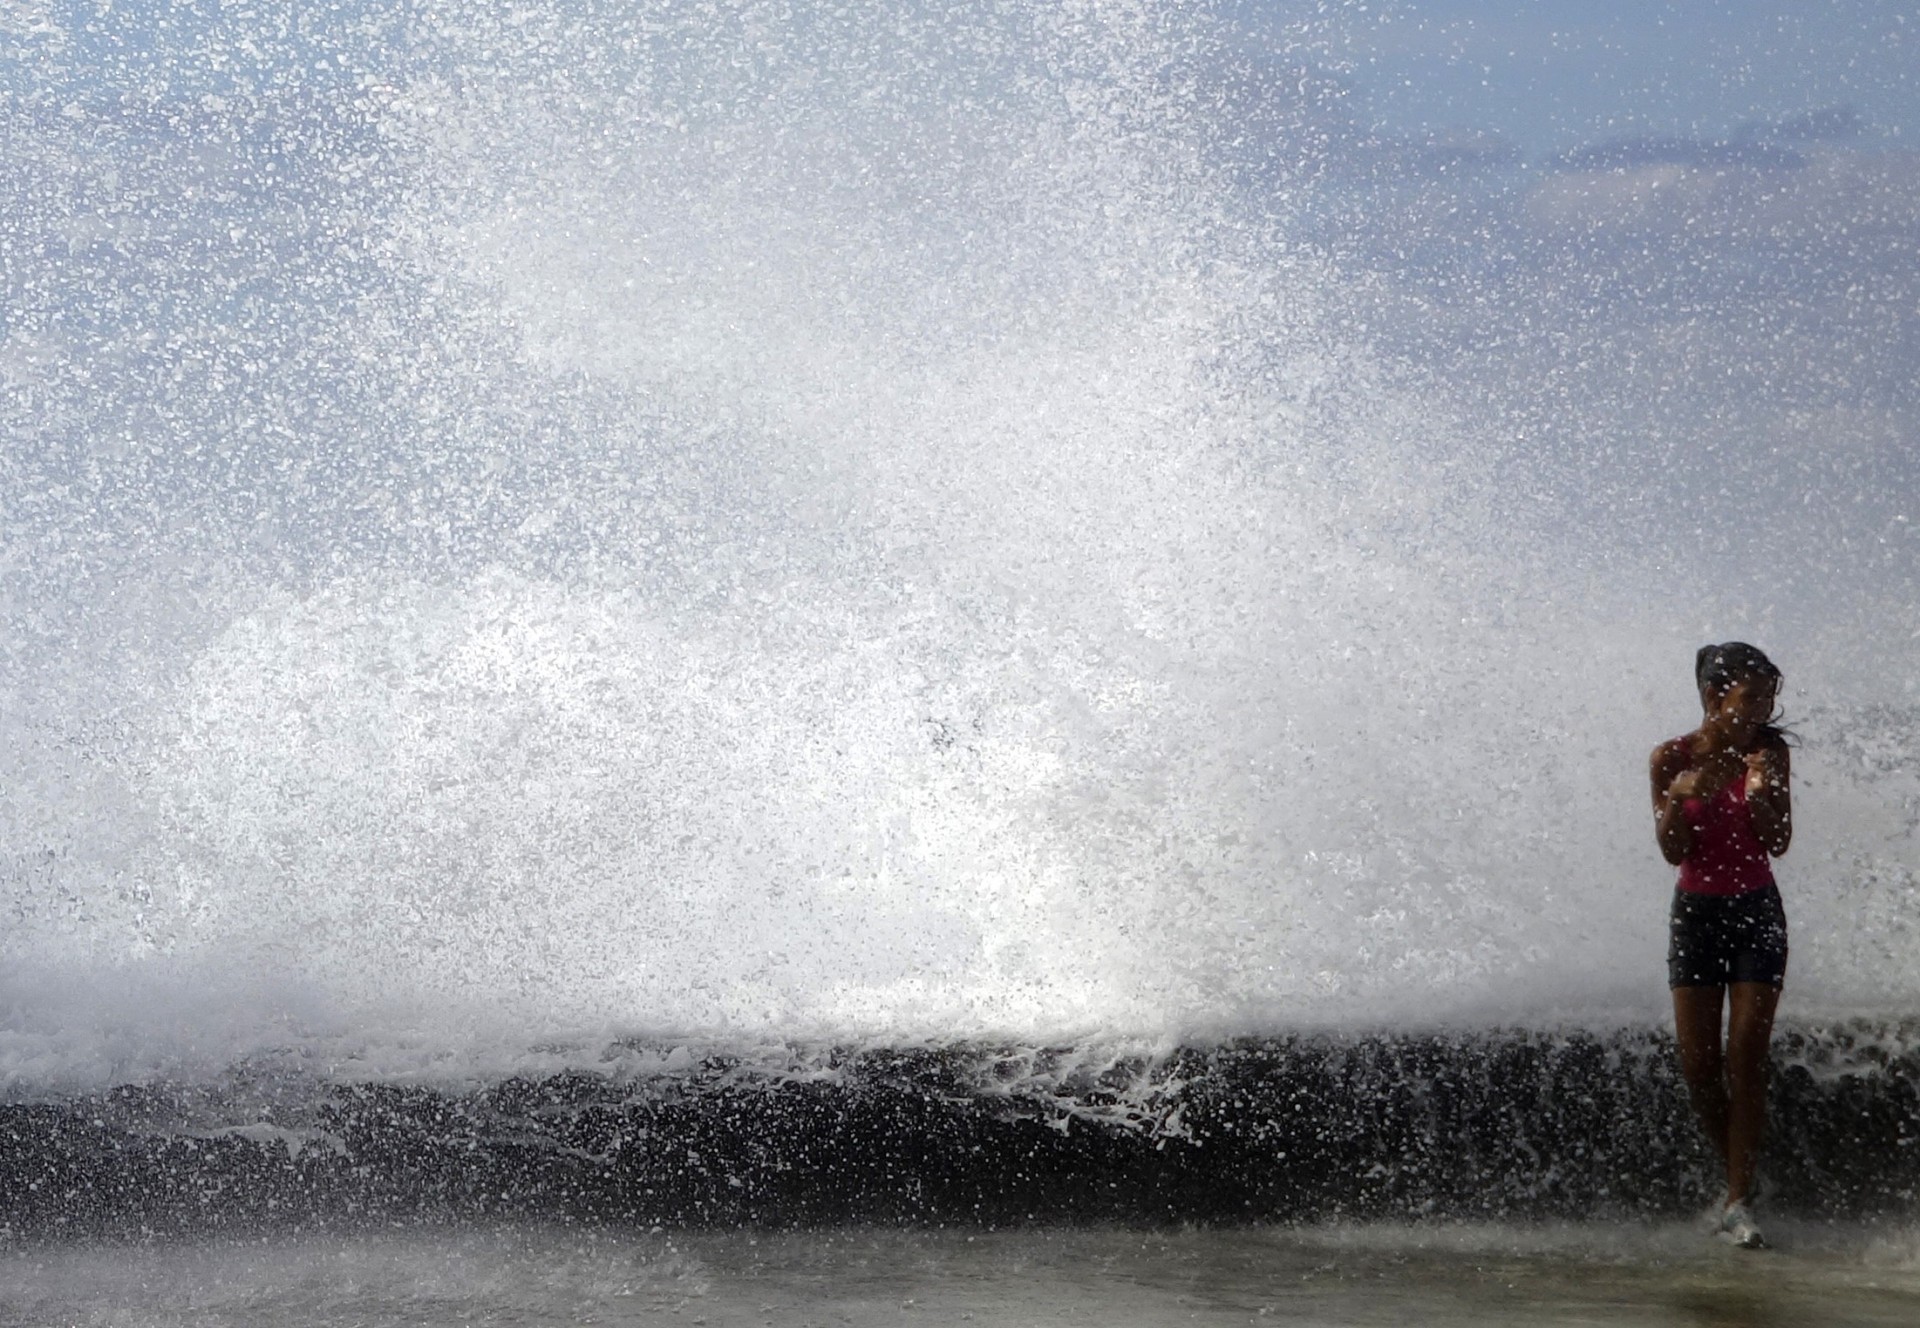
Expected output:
(1696, 1024)
(1749, 1032)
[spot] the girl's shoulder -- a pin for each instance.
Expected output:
(1674, 752)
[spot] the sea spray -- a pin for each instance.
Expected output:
(607, 524)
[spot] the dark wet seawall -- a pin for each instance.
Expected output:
(1501, 1124)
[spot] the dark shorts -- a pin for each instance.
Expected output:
(1717, 939)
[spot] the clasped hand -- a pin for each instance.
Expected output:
(1721, 769)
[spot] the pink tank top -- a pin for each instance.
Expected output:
(1728, 857)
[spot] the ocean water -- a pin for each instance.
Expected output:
(1592, 1274)
(765, 617)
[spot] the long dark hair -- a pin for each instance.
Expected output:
(1717, 668)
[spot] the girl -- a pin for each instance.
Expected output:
(1722, 807)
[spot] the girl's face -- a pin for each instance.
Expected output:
(1745, 706)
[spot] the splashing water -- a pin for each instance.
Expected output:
(854, 525)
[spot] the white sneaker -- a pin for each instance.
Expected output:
(1737, 1228)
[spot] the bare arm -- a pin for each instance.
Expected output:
(1670, 826)
(1770, 797)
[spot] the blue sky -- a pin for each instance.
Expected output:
(1550, 75)
(1555, 74)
